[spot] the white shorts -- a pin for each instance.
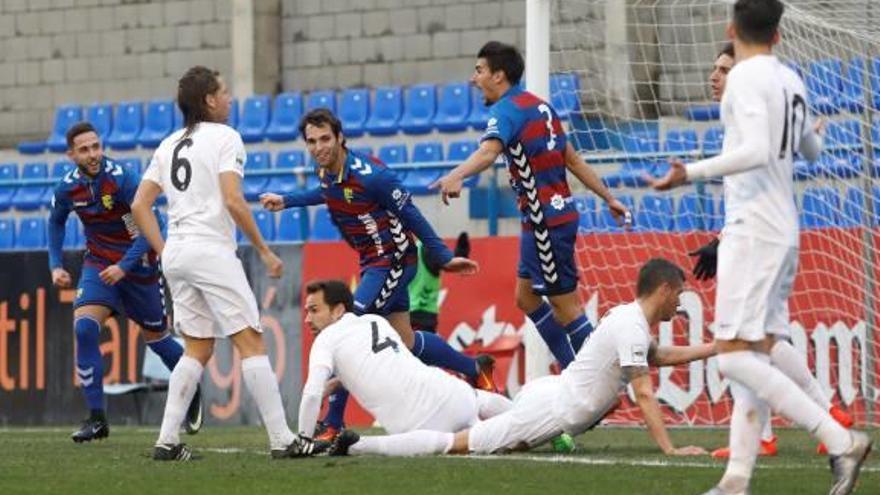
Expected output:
(457, 413)
(529, 423)
(211, 295)
(755, 279)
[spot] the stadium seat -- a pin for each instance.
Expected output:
(681, 141)
(459, 151)
(630, 174)
(419, 109)
(65, 116)
(31, 233)
(323, 228)
(586, 207)
(254, 118)
(564, 94)
(852, 94)
(73, 238)
(605, 222)
(479, 115)
(287, 182)
(31, 147)
(127, 125)
(231, 120)
(703, 113)
(293, 225)
(8, 172)
(820, 207)
(321, 99)
(363, 150)
(640, 142)
(31, 197)
(804, 170)
(100, 115)
(354, 108)
(841, 164)
(132, 164)
(824, 86)
(61, 167)
(7, 233)
(286, 114)
(694, 212)
(655, 213)
(290, 159)
(387, 107)
(453, 107)
(843, 135)
(713, 140)
(852, 214)
(254, 185)
(265, 221)
(392, 154)
(418, 180)
(158, 123)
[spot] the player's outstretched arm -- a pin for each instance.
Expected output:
(671, 355)
(142, 211)
(278, 202)
(450, 185)
(58, 213)
(640, 380)
(575, 164)
(310, 404)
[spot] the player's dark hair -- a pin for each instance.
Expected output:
(756, 21)
(727, 49)
(656, 272)
(77, 129)
(335, 292)
(192, 88)
(320, 117)
(503, 57)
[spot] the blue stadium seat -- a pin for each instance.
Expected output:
(392, 154)
(419, 109)
(853, 213)
(640, 142)
(8, 172)
(31, 147)
(7, 233)
(683, 140)
(288, 182)
(31, 197)
(132, 164)
(286, 114)
(323, 228)
(852, 95)
(824, 85)
(232, 119)
(479, 115)
(31, 233)
(453, 107)
(65, 116)
(265, 221)
(61, 167)
(843, 134)
(158, 123)
(605, 221)
(100, 115)
(841, 164)
(254, 118)
(459, 151)
(254, 185)
(655, 213)
(564, 94)
(293, 225)
(630, 174)
(127, 125)
(713, 140)
(418, 180)
(695, 212)
(73, 238)
(363, 150)
(586, 207)
(703, 113)
(804, 170)
(354, 108)
(290, 159)
(387, 107)
(820, 207)
(321, 99)
(283, 184)
(178, 115)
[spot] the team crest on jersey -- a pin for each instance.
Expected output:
(348, 194)
(557, 202)
(107, 201)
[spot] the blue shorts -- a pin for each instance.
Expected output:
(549, 262)
(142, 302)
(383, 291)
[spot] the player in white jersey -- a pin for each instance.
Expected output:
(368, 357)
(199, 168)
(764, 112)
(618, 352)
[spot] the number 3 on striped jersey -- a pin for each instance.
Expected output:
(551, 141)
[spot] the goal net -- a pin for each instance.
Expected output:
(632, 78)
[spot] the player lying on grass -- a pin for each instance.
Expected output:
(369, 358)
(619, 352)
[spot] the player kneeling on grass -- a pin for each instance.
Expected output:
(369, 358)
(617, 353)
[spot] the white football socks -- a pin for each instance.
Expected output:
(419, 442)
(181, 388)
(489, 404)
(767, 428)
(263, 387)
(794, 364)
(746, 422)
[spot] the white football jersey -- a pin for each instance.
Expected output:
(760, 202)
(188, 171)
(368, 357)
(592, 382)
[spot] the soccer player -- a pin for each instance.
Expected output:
(619, 351)
(424, 289)
(369, 358)
(119, 273)
(377, 218)
(529, 133)
(199, 168)
(764, 113)
(782, 354)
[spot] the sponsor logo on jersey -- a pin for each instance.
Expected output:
(557, 202)
(107, 201)
(348, 194)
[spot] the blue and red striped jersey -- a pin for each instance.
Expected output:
(534, 147)
(374, 213)
(103, 204)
